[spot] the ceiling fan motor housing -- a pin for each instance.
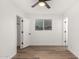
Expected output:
(42, 4)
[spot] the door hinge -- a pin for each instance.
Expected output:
(18, 23)
(22, 43)
(22, 32)
(65, 31)
(65, 41)
(22, 21)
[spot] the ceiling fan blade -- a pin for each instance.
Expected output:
(44, 0)
(47, 5)
(35, 4)
(47, 0)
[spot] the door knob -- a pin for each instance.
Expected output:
(29, 33)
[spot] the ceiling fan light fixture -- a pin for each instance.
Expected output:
(41, 4)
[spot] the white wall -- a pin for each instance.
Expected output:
(50, 37)
(73, 43)
(7, 30)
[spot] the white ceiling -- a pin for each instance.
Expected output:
(57, 6)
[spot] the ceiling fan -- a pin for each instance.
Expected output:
(42, 3)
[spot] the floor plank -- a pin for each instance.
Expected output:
(44, 52)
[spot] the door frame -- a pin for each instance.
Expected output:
(65, 31)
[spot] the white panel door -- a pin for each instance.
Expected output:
(25, 33)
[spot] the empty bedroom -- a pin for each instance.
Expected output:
(39, 29)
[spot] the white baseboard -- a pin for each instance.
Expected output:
(73, 53)
(13, 55)
(8, 57)
(48, 45)
(5, 58)
(45, 44)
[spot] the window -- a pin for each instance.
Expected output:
(39, 25)
(43, 25)
(47, 25)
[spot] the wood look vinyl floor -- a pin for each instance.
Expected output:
(44, 52)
